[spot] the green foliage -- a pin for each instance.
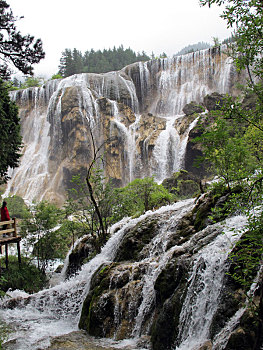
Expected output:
(113, 204)
(25, 277)
(216, 42)
(246, 17)
(193, 47)
(56, 76)
(80, 206)
(40, 229)
(139, 196)
(16, 206)
(10, 139)
(15, 49)
(234, 144)
(32, 82)
(226, 148)
(73, 61)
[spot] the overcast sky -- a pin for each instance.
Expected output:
(149, 25)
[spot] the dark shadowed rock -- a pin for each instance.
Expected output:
(192, 108)
(214, 101)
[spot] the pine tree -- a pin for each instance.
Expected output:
(10, 139)
(15, 49)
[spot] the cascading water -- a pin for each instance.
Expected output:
(157, 258)
(187, 78)
(205, 283)
(169, 150)
(65, 109)
(55, 311)
(128, 135)
(33, 172)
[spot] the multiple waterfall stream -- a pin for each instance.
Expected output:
(37, 318)
(58, 117)
(141, 106)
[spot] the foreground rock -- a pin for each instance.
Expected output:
(78, 340)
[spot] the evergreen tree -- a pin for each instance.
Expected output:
(92, 61)
(10, 139)
(20, 51)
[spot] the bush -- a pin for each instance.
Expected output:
(16, 206)
(25, 277)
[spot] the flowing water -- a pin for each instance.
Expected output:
(56, 310)
(161, 87)
(205, 283)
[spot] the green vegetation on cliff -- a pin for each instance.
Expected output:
(73, 61)
(233, 144)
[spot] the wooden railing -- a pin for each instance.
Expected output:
(8, 232)
(8, 236)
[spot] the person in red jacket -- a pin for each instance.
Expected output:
(4, 214)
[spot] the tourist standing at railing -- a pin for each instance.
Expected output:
(4, 214)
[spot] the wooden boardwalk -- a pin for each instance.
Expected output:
(8, 236)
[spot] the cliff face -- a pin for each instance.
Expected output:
(134, 115)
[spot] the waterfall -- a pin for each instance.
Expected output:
(56, 311)
(204, 285)
(28, 180)
(128, 134)
(190, 77)
(57, 118)
(157, 258)
(169, 150)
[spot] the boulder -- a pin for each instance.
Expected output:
(214, 101)
(192, 108)
(183, 184)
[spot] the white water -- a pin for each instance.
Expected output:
(166, 85)
(205, 284)
(32, 174)
(156, 261)
(169, 150)
(56, 311)
(128, 134)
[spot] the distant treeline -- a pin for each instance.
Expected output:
(73, 61)
(192, 48)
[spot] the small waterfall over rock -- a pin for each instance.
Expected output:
(56, 310)
(139, 106)
(205, 283)
(158, 280)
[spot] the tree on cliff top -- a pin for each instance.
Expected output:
(16, 49)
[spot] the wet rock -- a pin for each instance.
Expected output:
(112, 302)
(192, 108)
(214, 101)
(81, 254)
(183, 184)
(136, 239)
(206, 346)
(78, 340)
(170, 288)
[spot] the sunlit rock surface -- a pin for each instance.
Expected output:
(136, 116)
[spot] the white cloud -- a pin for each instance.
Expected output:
(149, 25)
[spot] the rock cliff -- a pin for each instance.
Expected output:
(140, 118)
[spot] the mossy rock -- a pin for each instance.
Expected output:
(192, 108)
(91, 319)
(170, 287)
(214, 101)
(136, 239)
(183, 184)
